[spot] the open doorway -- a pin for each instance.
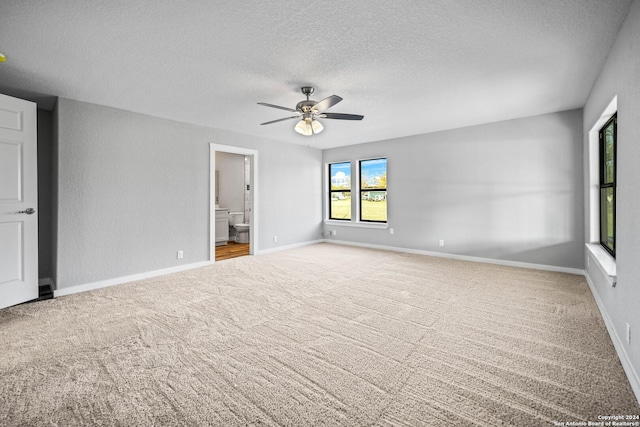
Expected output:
(233, 229)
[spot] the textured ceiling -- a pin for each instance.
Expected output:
(409, 67)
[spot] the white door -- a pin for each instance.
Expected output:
(18, 202)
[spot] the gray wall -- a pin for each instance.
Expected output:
(46, 184)
(231, 181)
(55, 119)
(134, 189)
(621, 76)
(510, 190)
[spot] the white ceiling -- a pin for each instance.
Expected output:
(409, 67)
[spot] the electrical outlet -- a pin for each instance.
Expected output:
(275, 239)
(391, 231)
(628, 333)
(440, 242)
(334, 232)
(180, 254)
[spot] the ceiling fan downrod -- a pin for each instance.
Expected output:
(307, 91)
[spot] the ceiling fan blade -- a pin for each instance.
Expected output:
(277, 106)
(341, 116)
(327, 103)
(280, 120)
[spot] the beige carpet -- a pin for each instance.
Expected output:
(320, 335)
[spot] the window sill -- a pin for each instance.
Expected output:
(357, 224)
(605, 261)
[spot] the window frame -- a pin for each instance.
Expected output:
(602, 185)
(362, 190)
(331, 191)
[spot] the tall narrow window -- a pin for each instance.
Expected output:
(373, 190)
(608, 142)
(340, 190)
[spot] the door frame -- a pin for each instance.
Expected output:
(253, 161)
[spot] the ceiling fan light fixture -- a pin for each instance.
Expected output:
(317, 126)
(303, 128)
(308, 127)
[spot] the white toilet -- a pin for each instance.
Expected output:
(242, 229)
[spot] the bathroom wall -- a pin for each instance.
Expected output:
(231, 180)
(247, 190)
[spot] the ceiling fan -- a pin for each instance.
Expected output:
(309, 111)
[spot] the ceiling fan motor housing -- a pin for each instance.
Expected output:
(304, 106)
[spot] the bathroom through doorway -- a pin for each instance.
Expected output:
(233, 202)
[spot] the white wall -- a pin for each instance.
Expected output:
(134, 189)
(230, 181)
(509, 190)
(621, 76)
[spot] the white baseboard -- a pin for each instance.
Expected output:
(126, 279)
(632, 375)
(463, 257)
(284, 248)
(134, 277)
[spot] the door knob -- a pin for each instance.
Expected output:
(28, 211)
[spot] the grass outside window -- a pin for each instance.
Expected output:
(373, 190)
(608, 183)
